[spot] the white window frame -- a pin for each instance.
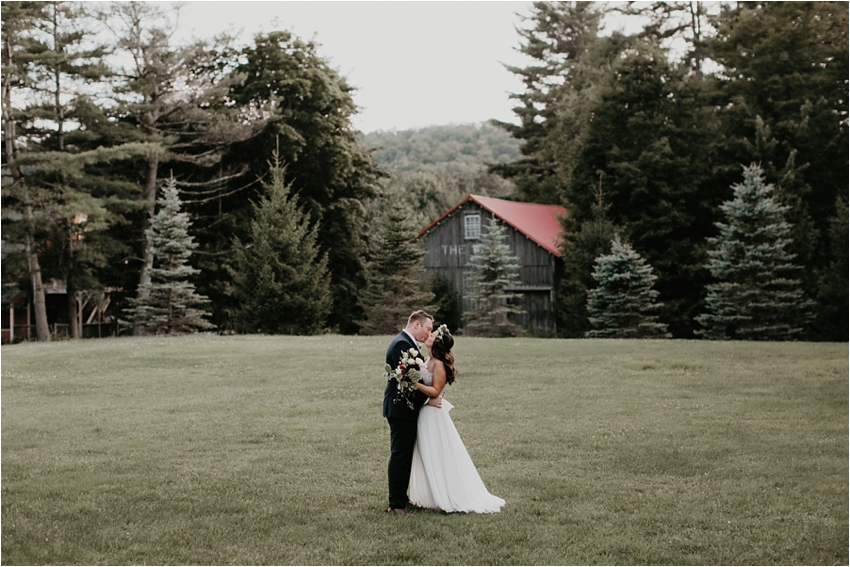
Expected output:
(472, 227)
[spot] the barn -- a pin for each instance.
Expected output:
(533, 235)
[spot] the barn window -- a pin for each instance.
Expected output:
(472, 224)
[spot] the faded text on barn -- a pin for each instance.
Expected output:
(533, 236)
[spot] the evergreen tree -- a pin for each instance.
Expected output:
(756, 296)
(560, 36)
(309, 108)
(491, 270)
(17, 19)
(174, 99)
(623, 303)
(394, 274)
(280, 279)
(783, 77)
(644, 127)
(169, 304)
(684, 22)
(48, 57)
(579, 249)
(446, 308)
(62, 65)
(834, 287)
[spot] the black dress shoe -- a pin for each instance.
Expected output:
(397, 511)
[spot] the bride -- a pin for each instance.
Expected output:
(443, 476)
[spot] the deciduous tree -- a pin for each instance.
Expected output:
(309, 109)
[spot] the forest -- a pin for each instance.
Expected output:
(221, 186)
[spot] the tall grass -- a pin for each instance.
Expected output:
(272, 450)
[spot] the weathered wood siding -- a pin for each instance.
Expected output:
(448, 253)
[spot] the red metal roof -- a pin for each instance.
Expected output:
(537, 222)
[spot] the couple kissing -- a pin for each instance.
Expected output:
(427, 456)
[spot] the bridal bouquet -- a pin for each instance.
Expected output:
(407, 374)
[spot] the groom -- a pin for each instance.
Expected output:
(401, 418)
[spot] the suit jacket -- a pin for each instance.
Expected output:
(400, 343)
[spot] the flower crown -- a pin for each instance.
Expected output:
(441, 330)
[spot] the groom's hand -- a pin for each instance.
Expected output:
(436, 402)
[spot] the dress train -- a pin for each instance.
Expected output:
(443, 476)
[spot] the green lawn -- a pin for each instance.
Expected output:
(272, 450)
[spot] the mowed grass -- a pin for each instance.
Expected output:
(272, 450)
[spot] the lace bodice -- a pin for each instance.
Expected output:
(427, 377)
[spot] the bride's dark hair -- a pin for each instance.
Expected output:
(442, 350)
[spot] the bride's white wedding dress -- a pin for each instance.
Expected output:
(443, 476)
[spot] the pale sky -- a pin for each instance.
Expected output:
(414, 64)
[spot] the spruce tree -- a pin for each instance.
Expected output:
(309, 108)
(280, 279)
(622, 304)
(394, 274)
(491, 271)
(169, 303)
(176, 101)
(756, 296)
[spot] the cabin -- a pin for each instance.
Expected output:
(533, 235)
(18, 314)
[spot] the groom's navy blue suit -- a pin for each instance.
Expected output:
(402, 422)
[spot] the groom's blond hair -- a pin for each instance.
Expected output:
(420, 316)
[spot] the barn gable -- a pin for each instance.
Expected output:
(533, 236)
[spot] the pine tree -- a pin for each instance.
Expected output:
(756, 296)
(833, 285)
(280, 280)
(623, 303)
(175, 99)
(394, 274)
(579, 250)
(17, 19)
(60, 65)
(169, 304)
(558, 38)
(491, 271)
(45, 66)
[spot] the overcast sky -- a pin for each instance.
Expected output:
(414, 64)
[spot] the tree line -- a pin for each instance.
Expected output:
(433, 168)
(643, 136)
(100, 107)
(107, 123)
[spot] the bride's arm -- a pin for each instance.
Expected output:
(437, 383)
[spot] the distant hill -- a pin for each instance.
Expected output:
(435, 167)
(459, 148)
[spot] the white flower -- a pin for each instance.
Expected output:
(398, 371)
(420, 361)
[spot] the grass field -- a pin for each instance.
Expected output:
(272, 450)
